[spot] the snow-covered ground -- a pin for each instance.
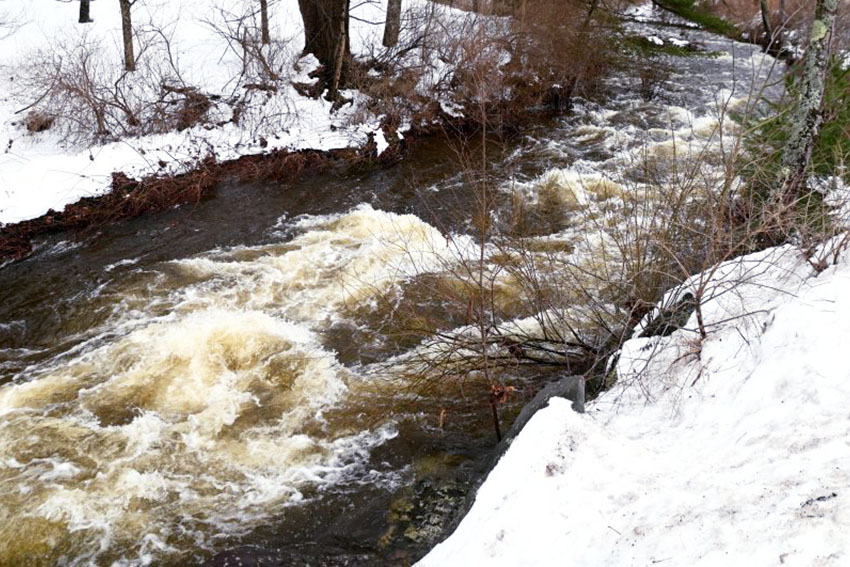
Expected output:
(47, 170)
(730, 450)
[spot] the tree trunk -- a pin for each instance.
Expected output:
(339, 56)
(807, 117)
(765, 19)
(392, 26)
(84, 12)
(264, 21)
(127, 33)
(325, 34)
(782, 14)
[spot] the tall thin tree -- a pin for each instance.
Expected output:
(765, 19)
(392, 25)
(264, 21)
(341, 50)
(127, 34)
(85, 18)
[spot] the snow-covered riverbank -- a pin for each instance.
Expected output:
(732, 450)
(48, 170)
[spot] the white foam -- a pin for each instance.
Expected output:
(218, 420)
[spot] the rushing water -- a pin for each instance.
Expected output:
(212, 385)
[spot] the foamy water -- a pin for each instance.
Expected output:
(201, 406)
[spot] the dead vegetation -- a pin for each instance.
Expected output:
(532, 62)
(90, 100)
(557, 283)
(129, 198)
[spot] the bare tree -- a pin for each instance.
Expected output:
(765, 18)
(392, 26)
(807, 117)
(84, 12)
(264, 21)
(127, 34)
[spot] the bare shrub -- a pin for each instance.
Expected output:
(528, 60)
(522, 299)
(259, 63)
(405, 81)
(9, 22)
(76, 85)
(566, 44)
(515, 299)
(257, 70)
(93, 99)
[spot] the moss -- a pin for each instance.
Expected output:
(833, 146)
(422, 513)
(819, 30)
(770, 131)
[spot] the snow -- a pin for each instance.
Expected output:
(46, 170)
(643, 12)
(381, 141)
(647, 11)
(728, 450)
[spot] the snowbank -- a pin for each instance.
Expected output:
(732, 450)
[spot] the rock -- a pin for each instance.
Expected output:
(569, 387)
(670, 318)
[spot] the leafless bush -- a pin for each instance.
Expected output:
(408, 79)
(514, 299)
(92, 98)
(528, 59)
(260, 65)
(574, 50)
(258, 71)
(651, 77)
(522, 298)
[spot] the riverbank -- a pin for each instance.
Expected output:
(129, 198)
(205, 92)
(222, 108)
(56, 175)
(55, 166)
(727, 450)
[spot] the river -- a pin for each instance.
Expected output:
(230, 383)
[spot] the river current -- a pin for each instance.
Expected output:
(228, 383)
